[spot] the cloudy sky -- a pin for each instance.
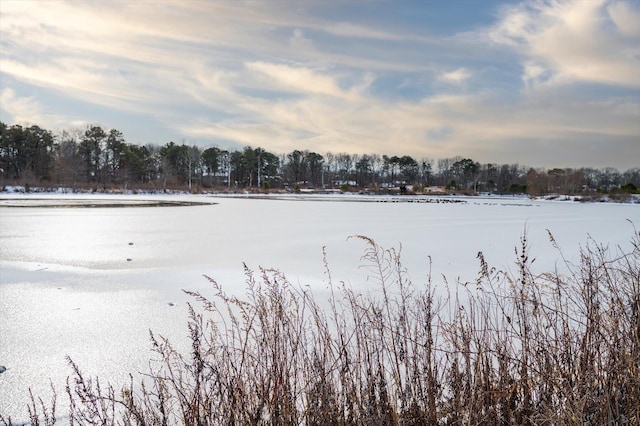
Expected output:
(540, 83)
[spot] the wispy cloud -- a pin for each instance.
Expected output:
(457, 76)
(297, 79)
(28, 111)
(626, 17)
(21, 109)
(319, 76)
(580, 41)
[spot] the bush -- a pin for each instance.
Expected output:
(516, 188)
(550, 348)
(629, 188)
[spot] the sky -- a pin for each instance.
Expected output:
(540, 83)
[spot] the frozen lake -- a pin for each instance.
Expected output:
(91, 282)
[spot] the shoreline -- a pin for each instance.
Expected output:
(18, 197)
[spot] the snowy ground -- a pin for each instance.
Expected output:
(91, 282)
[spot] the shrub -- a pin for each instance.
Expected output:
(629, 188)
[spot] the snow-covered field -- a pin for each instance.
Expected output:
(91, 282)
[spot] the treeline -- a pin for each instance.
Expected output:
(103, 159)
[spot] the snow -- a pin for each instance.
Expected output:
(91, 283)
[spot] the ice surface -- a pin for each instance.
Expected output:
(90, 283)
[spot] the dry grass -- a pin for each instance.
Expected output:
(552, 348)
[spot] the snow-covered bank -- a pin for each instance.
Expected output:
(316, 194)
